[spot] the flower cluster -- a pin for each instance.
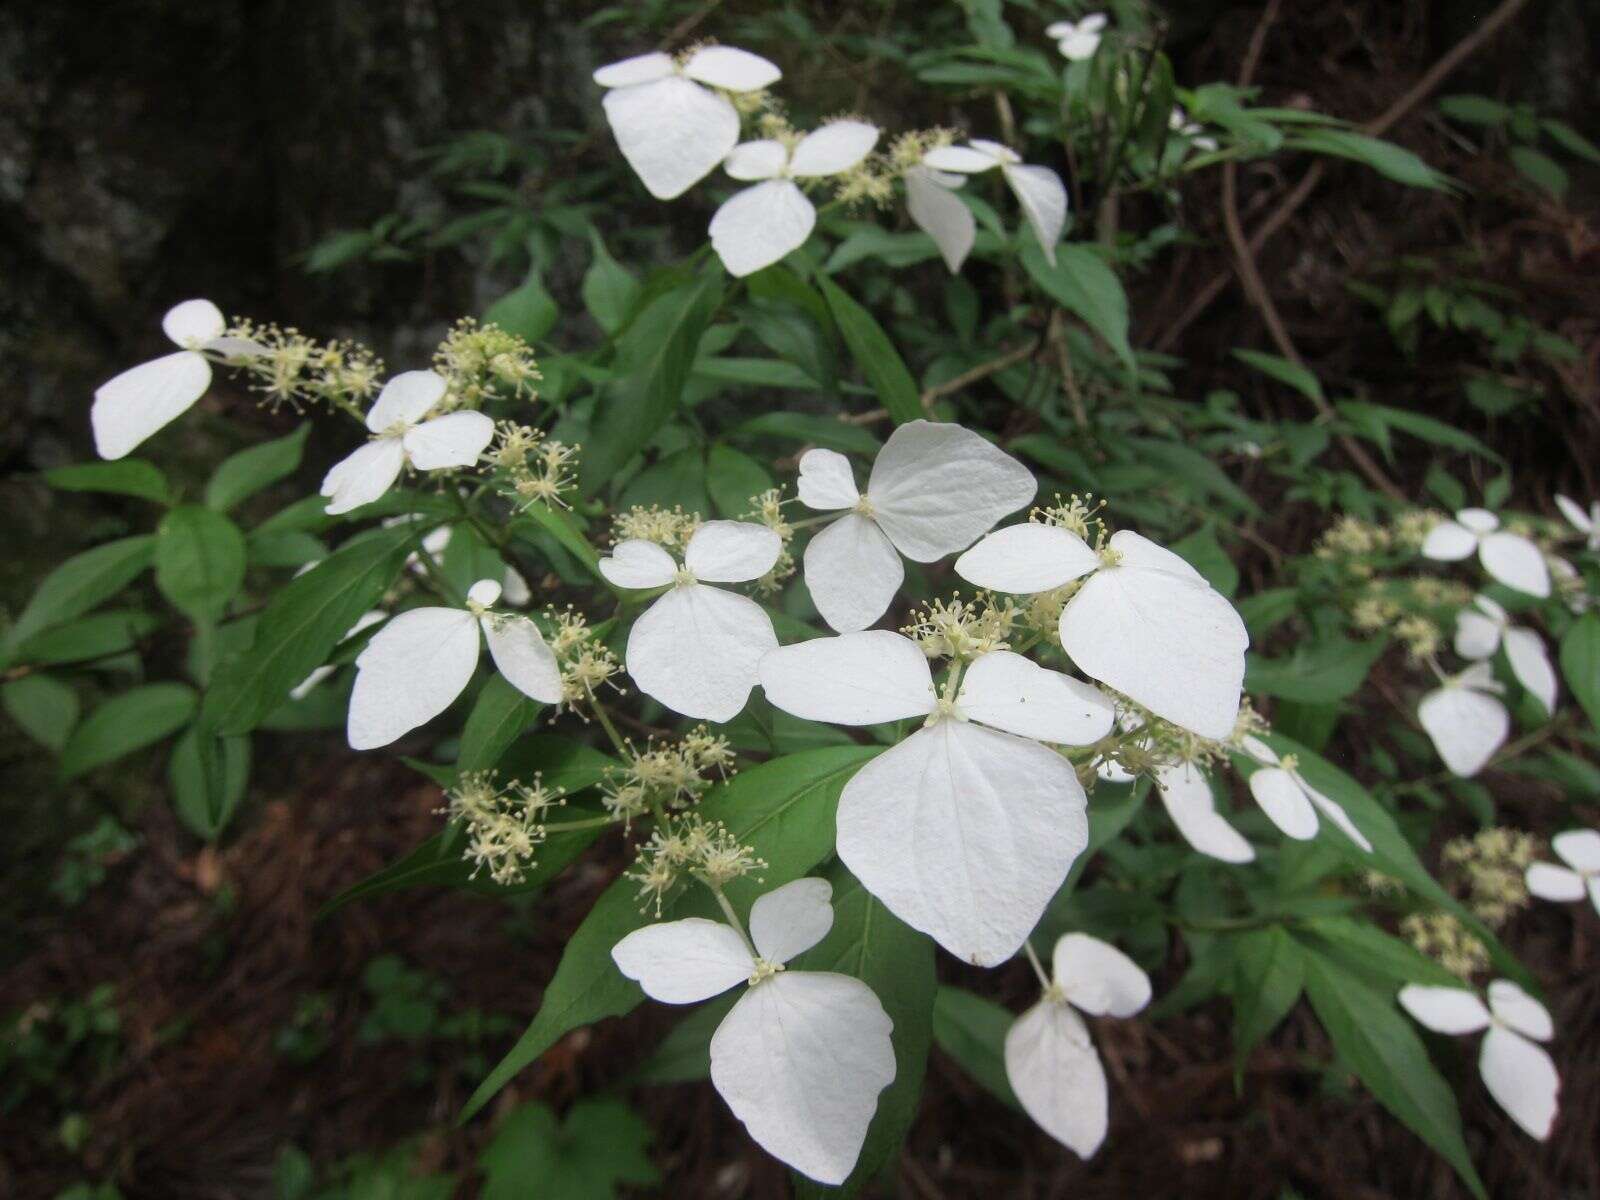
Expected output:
(586, 663)
(689, 846)
(504, 826)
(1491, 865)
(662, 779)
(480, 362)
(533, 469)
(670, 528)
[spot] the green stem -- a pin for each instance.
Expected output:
(733, 917)
(588, 823)
(600, 714)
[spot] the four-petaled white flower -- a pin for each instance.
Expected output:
(417, 664)
(1178, 121)
(1465, 719)
(758, 226)
(802, 1055)
(365, 621)
(934, 488)
(1078, 40)
(1186, 794)
(1482, 629)
(1580, 850)
(402, 436)
(143, 399)
(1509, 558)
(673, 131)
(1517, 1072)
(1145, 622)
(1038, 190)
(967, 828)
(1289, 801)
(696, 648)
(1050, 1060)
(1586, 523)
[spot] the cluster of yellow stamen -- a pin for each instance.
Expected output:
(295, 369)
(668, 527)
(504, 826)
(479, 362)
(767, 509)
(533, 469)
(585, 661)
(963, 629)
(690, 846)
(668, 777)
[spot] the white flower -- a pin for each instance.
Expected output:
(932, 204)
(1186, 794)
(758, 226)
(1289, 801)
(967, 828)
(143, 399)
(802, 1055)
(1580, 850)
(696, 648)
(673, 131)
(1038, 189)
(514, 588)
(1508, 557)
(365, 621)
(934, 488)
(1051, 1063)
(1145, 622)
(401, 436)
(1078, 40)
(1518, 1073)
(1178, 121)
(1481, 630)
(1586, 523)
(1465, 719)
(417, 664)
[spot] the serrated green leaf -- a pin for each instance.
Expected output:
(200, 560)
(126, 723)
(880, 363)
(1269, 972)
(125, 477)
(1284, 371)
(242, 475)
(1391, 161)
(609, 290)
(80, 583)
(208, 776)
(1083, 284)
(46, 708)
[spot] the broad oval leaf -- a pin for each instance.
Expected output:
(200, 558)
(126, 723)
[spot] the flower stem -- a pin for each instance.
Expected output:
(1038, 967)
(733, 917)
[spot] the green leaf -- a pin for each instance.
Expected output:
(200, 557)
(1316, 673)
(80, 583)
(125, 477)
(869, 942)
(45, 707)
(1379, 1044)
(302, 624)
(242, 475)
(1474, 110)
(208, 776)
(1083, 284)
(973, 1031)
(874, 353)
(1269, 972)
(783, 809)
(97, 636)
(1580, 663)
(655, 355)
(1205, 554)
(1375, 420)
(1361, 947)
(733, 478)
(1541, 170)
(126, 723)
(1284, 371)
(684, 1055)
(609, 290)
(1387, 159)
(560, 525)
(499, 716)
(602, 1144)
(810, 427)
(530, 312)
(1570, 139)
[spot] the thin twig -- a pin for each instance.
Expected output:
(982, 371)
(1435, 75)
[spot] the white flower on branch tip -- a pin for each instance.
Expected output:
(1509, 558)
(1186, 794)
(1289, 801)
(417, 664)
(1178, 122)
(1051, 1062)
(143, 399)
(365, 621)
(1580, 850)
(1586, 523)
(1484, 628)
(802, 1055)
(696, 648)
(967, 828)
(1465, 719)
(1517, 1071)
(402, 436)
(672, 130)
(1078, 40)
(760, 225)
(1145, 622)
(934, 488)
(1038, 190)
